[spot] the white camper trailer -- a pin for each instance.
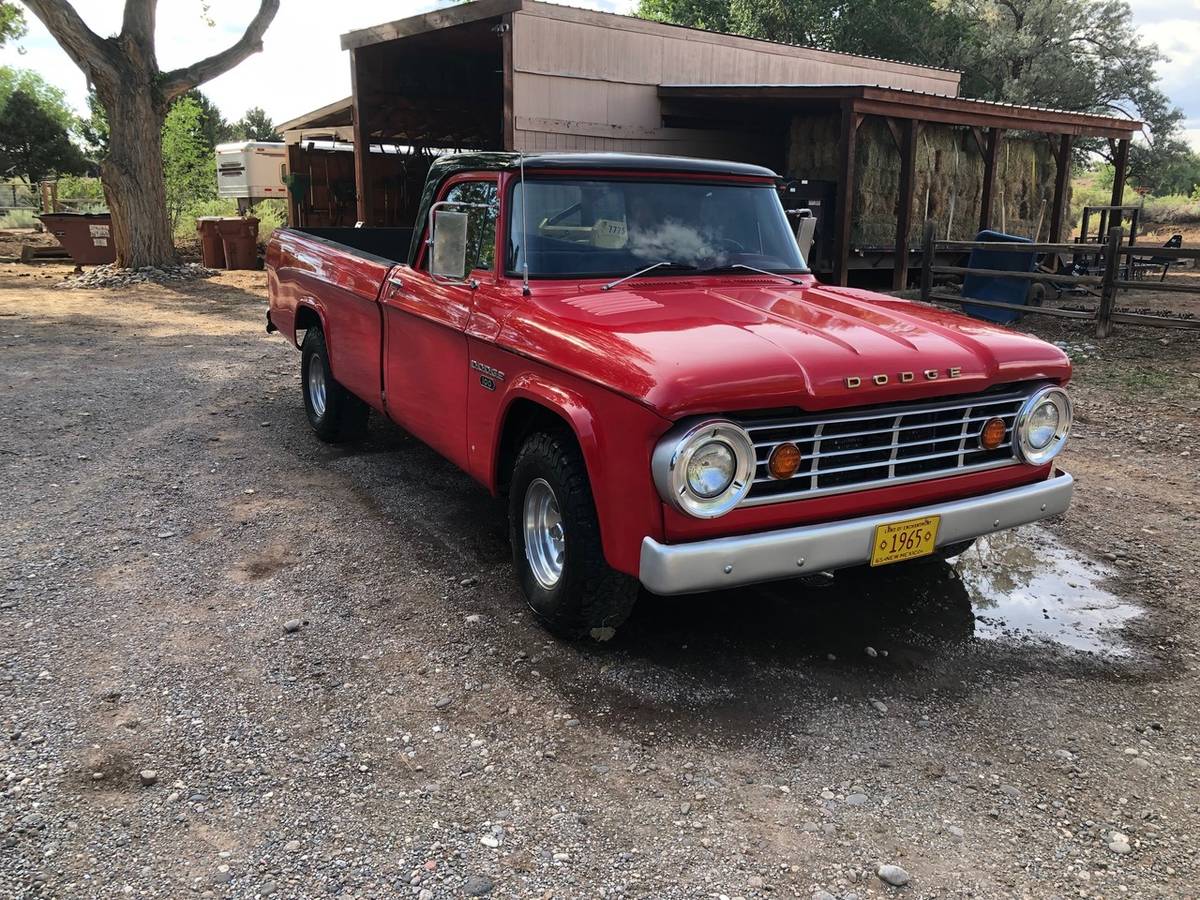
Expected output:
(251, 170)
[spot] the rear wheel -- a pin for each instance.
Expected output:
(556, 543)
(335, 414)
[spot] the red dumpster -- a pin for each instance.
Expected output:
(212, 250)
(239, 237)
(86, 236)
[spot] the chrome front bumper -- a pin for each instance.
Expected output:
(771, 555)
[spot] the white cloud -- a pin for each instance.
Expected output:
(1175, 28)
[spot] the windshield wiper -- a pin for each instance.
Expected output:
(716, 269)
(657, 265)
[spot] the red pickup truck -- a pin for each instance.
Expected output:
(632, 349)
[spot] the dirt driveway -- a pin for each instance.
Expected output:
(239, 663)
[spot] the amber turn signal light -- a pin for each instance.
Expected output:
(992, 435)
(784, 461)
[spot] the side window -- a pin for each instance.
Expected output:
(481, 227)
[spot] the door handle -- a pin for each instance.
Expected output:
(396, 283)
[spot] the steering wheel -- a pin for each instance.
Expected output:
(731, 244)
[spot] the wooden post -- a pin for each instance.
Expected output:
(927, 255)
(507, 135)
(845, 194)
(1058, 209)
(908, 184)
(1120, 165)
(1108, 285)
(990, 155)
(294, 203)
(362, 139)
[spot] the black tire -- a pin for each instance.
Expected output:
(338, 415)
(589, 598)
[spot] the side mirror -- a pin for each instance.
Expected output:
(448, 244)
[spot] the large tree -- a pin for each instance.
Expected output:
(34, 143)
(256, 125)
(929, 32)
(136, 96)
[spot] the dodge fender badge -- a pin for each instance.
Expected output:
(487, 370)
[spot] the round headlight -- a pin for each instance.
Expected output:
(705, 470)
(711, 469)
(1042, 425)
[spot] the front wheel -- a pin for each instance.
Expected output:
(556, 543)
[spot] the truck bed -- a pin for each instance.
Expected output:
(387, 243)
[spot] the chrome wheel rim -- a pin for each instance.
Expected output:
(545, 542)
(316, 385)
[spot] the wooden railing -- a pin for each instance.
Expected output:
(1105, 285)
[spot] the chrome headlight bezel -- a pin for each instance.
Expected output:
(673, 453)
(1026, 451)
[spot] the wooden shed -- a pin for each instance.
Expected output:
(529, 75)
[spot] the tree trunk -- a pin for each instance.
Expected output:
(133, 180)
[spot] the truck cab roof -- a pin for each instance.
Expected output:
(451, 164)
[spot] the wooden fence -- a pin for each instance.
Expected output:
(1104, 286)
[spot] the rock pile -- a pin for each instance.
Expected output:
(109, 276)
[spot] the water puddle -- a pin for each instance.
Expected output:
(1024, 584)
(1018, 586)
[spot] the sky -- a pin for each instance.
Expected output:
(302, 66)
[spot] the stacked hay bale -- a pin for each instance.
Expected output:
(949, 179)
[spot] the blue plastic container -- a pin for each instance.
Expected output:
(997, 288)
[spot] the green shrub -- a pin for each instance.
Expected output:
(271, 214)
(20, 218)
(1175, 209)
(81, 194)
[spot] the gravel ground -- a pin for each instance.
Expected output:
(235, 662)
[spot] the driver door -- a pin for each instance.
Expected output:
(425, 321)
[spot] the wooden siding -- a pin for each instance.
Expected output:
(584, 80)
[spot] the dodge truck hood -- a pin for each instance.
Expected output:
(692, 346)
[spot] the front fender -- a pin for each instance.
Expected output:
(617, 437)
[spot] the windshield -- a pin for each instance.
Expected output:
(599, 228)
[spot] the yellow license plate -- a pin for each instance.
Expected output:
(898, 541)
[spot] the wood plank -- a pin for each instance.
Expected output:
(908, 182)
(432, 21)
(991, 153)
(362, 152)
(1120, 169)
(1108, 292)
(1155, 321)
(1040, 310)
(506, 66)
(1032, 248)
(1062, 181)
(1145, 251)
(1168, 287)
(1023, 276)
(845, 194)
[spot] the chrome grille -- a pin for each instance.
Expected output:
(881, 446)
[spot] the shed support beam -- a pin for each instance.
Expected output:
(991, 153)
(294, 203)
(908, 184)
(845, 193)
(507, 137)
(1058, 210)
(362, 138)
(1120, 170)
